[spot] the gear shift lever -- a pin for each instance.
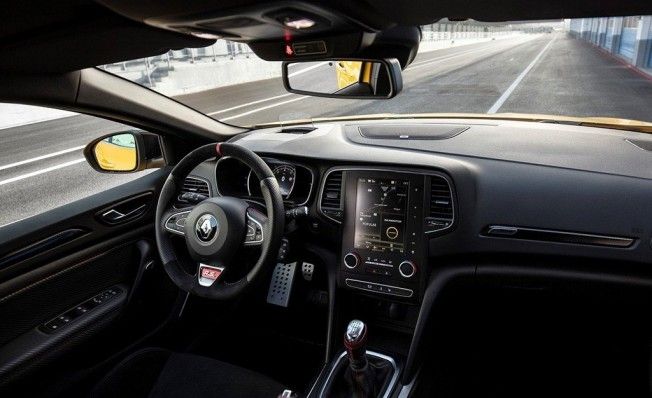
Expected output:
(355, 341)
(365, 376)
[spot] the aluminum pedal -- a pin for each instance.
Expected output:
(281, 284)
(307, 270)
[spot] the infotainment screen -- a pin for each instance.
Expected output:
(381, 214)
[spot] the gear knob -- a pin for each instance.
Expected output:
(355, 341)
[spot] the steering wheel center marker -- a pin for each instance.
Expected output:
(208, 274)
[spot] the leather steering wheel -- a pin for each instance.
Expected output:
(218, 227)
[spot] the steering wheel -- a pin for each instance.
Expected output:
(218, 227)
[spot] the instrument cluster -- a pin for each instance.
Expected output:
(236, 179)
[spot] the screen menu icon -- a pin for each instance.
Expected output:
(381, 214)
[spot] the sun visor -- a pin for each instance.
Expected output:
(400, 42)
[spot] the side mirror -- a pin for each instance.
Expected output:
(124, 152)
(344, 78)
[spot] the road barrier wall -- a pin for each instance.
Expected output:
(440, 43)
(629, 38)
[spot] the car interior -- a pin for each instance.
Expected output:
(347, 257)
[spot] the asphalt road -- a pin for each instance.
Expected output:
(41, 165)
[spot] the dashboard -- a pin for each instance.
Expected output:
(393, 207)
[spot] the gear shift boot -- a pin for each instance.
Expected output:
(370, 382)
(359, 373)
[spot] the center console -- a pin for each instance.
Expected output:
(388, 217)
(386, 225)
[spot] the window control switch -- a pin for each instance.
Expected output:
(79, 310)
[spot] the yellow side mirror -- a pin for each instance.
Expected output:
(124, 152)
(348, 73)
(117, 153)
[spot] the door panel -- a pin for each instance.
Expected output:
(43, 297)
(76, 289)
(81, 214)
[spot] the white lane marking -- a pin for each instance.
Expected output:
(488, 46)
(494, 108)
(479, 51)
(417, 64)
(42, 171)
(248, 104)
(307, 69)
(264, 99)
(49, 155)
(262, 108)
(497, 46)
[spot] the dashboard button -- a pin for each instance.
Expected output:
(379, 288)
(407, 269)
(351, 260)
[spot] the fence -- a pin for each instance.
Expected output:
(151, 70)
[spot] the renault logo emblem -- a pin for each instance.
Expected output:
(206, 227)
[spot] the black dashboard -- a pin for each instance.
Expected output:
(395, 201)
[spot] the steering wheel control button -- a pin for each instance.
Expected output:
(176, 223)
(207, 228)
(192, 197)
(208, 274)
(351, 260)
(254, 235)
(407, 269)
(280, 286)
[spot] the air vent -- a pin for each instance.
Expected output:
(331, 197)
(196, 185)
(297, 130)
(441, 213)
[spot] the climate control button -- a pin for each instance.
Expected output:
(351, 260)
(407, 269)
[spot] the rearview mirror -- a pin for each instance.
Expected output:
(344, 78)
(124, 152)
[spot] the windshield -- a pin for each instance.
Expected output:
(597, 67)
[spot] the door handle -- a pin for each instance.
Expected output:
(126, 210)
(113, 216)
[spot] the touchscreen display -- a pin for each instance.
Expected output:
(381, 214)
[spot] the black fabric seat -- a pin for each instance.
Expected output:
(159, 373)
